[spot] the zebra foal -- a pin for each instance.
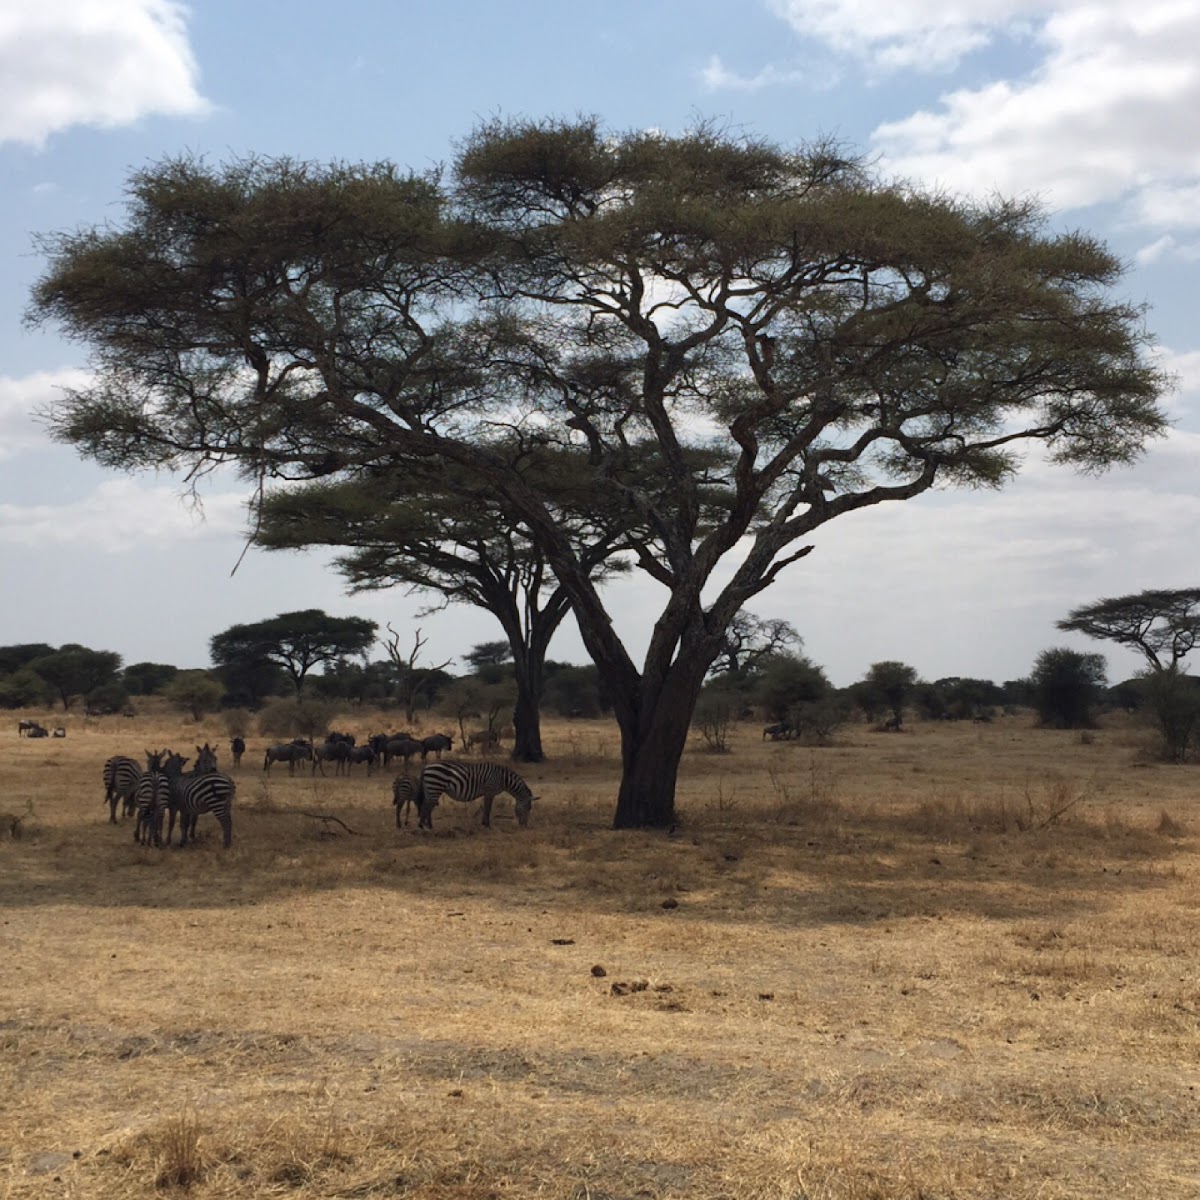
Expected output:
(405, 795)
(196, 792)
(467, 781)
(151, 799)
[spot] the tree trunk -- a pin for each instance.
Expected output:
(527, 712)
(650, 762)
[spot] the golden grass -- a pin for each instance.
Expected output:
(953, 962)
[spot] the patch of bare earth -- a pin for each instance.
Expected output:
(954, 962)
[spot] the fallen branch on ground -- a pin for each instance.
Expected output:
(336, 820)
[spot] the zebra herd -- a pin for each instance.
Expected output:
(164, 789)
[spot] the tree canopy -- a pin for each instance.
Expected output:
(733, 342)
(295, 641)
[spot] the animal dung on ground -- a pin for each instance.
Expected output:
(598, 971)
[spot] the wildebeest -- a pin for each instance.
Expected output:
(334, 752)
(59, 732)
(437, 742)
(362, 754)
(290, 753)
(781, 729)
(403, 747)
(237, 747)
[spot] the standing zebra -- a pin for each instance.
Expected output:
(197, 792)
(151, 800)
(121, 775)
(466, 782)
(405, 790)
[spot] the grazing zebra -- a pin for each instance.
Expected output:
(151, 799)
(437, 742)
(404, 796)
(237, 748)
(466, 782)
(198, 792)
(290, 753)
(121, 775)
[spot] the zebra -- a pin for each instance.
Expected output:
(196, 792)
(290, 753)
(151, 799)
(466, 781)
(437, 742)
(237, 748)
(405, 790)
(121, 775)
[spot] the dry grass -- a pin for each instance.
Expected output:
(954, 962)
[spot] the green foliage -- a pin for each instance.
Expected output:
(1065, 686)
(108, 698)
(13, 658)
(787, 684)
(24, 689)
(956, 698)
(288, 718)
(194, 692)
(1174, 700)
(147, 678)
(1162, 625)
(894, 683)
(574, 691)
(74, 671)
(295, 641)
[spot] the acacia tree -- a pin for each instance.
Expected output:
(752, 641)
(840, 340)
(74, 670)
(1066, 685)
(295, 641)
(1163, 626)
(465, 551)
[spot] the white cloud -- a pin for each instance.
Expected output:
(21, 398)
(92, 62)
(1106, 115)
(121, 515)
(716, 77)
(925, 35)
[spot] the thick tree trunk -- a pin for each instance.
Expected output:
(650, 761)
(527, 713)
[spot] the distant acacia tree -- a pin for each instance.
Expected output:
(1163, 626)
(74, 670)
(147, 678)
(751, 641)
(893, 683)
(295, 641)
(1065, 686)
(630, 300)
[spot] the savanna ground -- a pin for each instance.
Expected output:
(952, 962)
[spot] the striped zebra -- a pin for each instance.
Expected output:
(467, 781)
(404, 796)
(196, 792)
(151, 800)
(121, 775)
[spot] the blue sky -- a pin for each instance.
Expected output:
(1089, 105)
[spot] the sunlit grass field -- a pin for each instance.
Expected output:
(957, 961)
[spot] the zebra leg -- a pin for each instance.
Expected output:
(226, 820)
(111, 801)
(488, 797)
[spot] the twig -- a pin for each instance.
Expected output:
(335, 820)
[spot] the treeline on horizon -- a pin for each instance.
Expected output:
(767, 679)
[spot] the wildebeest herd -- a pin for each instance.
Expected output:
(163, 790)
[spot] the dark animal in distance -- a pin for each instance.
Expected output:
(362, 754)
(237, 747)
(781, 729)
(467, 781)
(334, 752)
(290, 753)
(485, 739)
(403, 747)
(437, 742)
(59, 732)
